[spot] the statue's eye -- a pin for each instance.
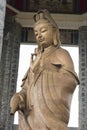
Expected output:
(43, 30)
(36, 34)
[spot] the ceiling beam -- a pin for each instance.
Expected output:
(64, 21)
(12, 9)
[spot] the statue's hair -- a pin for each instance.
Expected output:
(45, 15)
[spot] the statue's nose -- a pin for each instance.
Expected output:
(39, 36)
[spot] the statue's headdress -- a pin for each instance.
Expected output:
(44, 14)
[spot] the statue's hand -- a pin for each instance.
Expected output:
(16, 103)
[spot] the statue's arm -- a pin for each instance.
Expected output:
(62, 58)
(65, 58)
(67, 62)
(18, 100)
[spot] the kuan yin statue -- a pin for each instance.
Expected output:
(47, 88)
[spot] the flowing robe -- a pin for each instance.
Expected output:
(49, 85)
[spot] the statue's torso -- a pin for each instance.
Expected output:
(50, 93)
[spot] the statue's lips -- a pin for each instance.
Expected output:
(41, 40)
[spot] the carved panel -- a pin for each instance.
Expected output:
(83, 78)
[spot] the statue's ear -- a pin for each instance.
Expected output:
(55, 42)
(56, 39)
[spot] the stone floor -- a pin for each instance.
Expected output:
(16, 128)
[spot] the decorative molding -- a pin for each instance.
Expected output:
(12, 8)
(64, 21)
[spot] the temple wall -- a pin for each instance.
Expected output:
(8, 72)
(83, 78)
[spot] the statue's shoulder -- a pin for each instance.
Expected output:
(61, 51)
(62, 56)
(55, 56)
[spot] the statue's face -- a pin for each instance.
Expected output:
(44, 34)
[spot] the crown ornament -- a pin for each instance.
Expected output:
(44, 14)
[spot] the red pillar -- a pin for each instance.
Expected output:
(83, 6)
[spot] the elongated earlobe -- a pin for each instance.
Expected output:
(56, 39)
(55, 43)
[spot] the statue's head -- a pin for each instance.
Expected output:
(46, 30)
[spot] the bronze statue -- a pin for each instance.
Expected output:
(47, 88)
